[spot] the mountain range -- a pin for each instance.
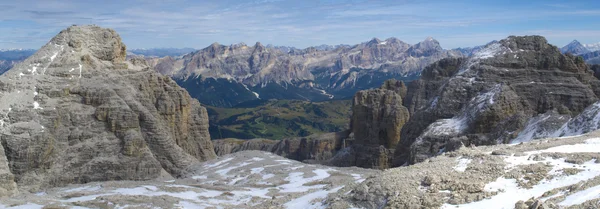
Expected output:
(160, 52)
(10, 57)
(224, 76)
(82, 126)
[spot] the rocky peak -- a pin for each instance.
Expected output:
(76, 112)
(396, 86)
(394, 41)
(374, 42)
(533, 43)
(575, 48)
(258, 47)
(104, 44)
(427, 47)
(238, 45)
(520, 87)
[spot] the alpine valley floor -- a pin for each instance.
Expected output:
(548, 173)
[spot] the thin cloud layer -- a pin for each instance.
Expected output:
(187, 23)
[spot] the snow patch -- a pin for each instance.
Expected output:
(306, 200)
(297, 181)
(80, 69)
(463, 164)
(588, 120)
(581, 196)
(36, 105)
(218, 163)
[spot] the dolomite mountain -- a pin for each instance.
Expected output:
(77, 111)
(514, 90)
(518, 89)
(228, 75)
(575, 47)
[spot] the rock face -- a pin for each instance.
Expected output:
(228, 75)
(377, 120)
(76, 112)
(520, 87)
(318, 148)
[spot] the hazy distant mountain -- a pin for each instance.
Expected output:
(161, 52)
(592, 47)
(592, 57)
(10, 57)
(575, 48)
(224, 76)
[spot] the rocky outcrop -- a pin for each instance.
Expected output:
(377, 120)
(76, 112)
(317, 148)
(230, 145)
(492, 97)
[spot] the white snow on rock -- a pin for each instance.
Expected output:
(80, 69)
(582, 196)
(457, 124)
(218, 163)
(535, 129)
(36, 105)
(488, 51)
(509, 191)
(306, 201)
(297, 181)
(591, 145)
(463, 164)
(325, 93)
(587, 121)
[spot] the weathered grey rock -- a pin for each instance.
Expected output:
(230, 145)
(377, 120)
(396, 86)
(317, 148)
(494, 97)
(76, 112)
(309, 74)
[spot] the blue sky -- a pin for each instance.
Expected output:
(302, 23)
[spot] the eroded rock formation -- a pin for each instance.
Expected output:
(520, 88)
(76, 112)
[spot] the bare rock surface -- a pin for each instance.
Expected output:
(248, 179)
(517, 89)
(317, 148)
(77, 112)
(553, 173)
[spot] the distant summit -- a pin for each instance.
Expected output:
(161, 52)
(225, 76)
(10, 57)
(575, 48)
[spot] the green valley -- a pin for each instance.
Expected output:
(277, 119)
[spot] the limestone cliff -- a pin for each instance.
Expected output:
(317, 148)
(519, 88)
(377, 120)
(76, 112)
